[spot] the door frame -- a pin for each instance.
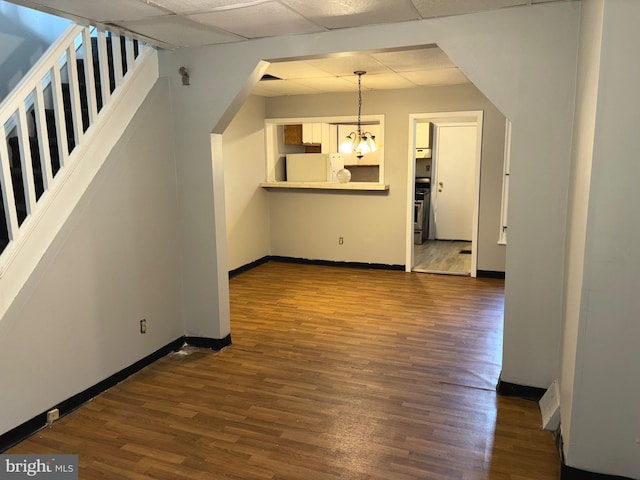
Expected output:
(473, 116)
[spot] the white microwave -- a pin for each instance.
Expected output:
(313, 167)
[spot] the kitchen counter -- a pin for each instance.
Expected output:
(362, 186)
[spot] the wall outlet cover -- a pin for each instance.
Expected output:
(53, 415)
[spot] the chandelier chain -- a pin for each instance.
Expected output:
(359, 141)
(359, 103)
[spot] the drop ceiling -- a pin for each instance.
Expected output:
(175, 24)
(428, 66)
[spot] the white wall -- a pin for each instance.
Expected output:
(308, 224)
(604, 433)
(24, 36)
(541, 113)
(583, 138)
(115, 261)
(205, 293)
(247, 205)
(523, 59)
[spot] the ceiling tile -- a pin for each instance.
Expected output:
(295, 70)
(449, 76)
(277, 88)
(103, 11)
(413, 60)
(426, 66)
(328, 84)
(384, 81)
(261, 20)
(341, 13)
(191, 6)
(345, 65)
(440, 8)
(179, 31)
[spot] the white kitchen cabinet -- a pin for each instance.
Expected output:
(306, 134)
(423, 135)
(312, 133)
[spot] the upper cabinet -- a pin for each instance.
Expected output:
(424, 135)
(293, 134)
(312, 133)
(315, 134)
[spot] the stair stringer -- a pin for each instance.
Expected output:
(40, 229)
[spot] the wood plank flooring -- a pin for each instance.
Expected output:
(334, 373)
(442, 256)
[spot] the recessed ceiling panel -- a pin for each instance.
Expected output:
(103, 11)
(256, 21)
(449, 76)
(295, 70)
(341, 13)
(278, 88)
(345, 65)
(384, 81)
(441, 8)
(426, 66)
(413, 60)
(328, 84)
(179, 31)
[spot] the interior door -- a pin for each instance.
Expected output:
(456, 146)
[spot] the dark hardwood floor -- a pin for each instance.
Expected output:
(334, 373)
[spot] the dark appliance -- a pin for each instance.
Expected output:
(421, 207)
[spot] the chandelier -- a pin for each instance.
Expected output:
(359, 142)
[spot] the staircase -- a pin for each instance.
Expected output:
(53, 121)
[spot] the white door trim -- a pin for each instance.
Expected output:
(474, 116)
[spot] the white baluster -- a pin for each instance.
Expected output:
(117, 58)
(58, 107)
(128, 48)
(43, 137)
(104, 68)
(89, 76)
(7, 189)
(74, 94)
(25, 159)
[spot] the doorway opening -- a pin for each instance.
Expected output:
(449, 257)
(444, 189)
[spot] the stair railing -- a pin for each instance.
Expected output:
(46, 116)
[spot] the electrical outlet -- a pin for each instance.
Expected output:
(143, 325)
(340, 240)
(53, 415)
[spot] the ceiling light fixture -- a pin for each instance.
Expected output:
(359, 142)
